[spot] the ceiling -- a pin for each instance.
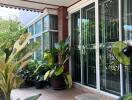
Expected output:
(37, 5)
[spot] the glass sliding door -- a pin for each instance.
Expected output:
(88, 45)
(108, 33)
(75, 38)
(127, 35)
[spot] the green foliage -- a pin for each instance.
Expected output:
(117, 48)
(68, 80)
(10, 31)
(126, 97)
(35, 97)
(55, 69)
(10, 66)
(59, 70)
(63, 50)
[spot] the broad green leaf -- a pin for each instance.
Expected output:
(126, 97)
(52, 72)
(68, 80)
(33, 97)
(59, 70)
(46, 75)
(117, 48)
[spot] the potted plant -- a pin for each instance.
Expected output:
(38, 73)
(59, 78)
(26, 74)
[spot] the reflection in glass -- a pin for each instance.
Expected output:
(38, 27)
(46, 23)
(46, 41)
(53, 22)
(31, 29)
(88, 44)
(109, 32)
(76, 64)
(31, 41)
(127, 35)
(38, 52)
(49, 40)
(127, 19)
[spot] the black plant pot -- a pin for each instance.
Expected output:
(39, 84)
(58, 82)
(27, 84)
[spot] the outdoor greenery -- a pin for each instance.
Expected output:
(10, 31)
(10, 66)
(126, 97)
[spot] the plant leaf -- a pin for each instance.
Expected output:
(46, 75)
(33, 97)
(68, 80)
(52, 72)
(59, 70)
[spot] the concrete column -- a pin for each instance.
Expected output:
(62, 23)
(63, 28)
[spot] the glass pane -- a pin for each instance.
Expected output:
(38, 52)
(75, 28)
(31, 29)
(109, 32)
(109, 21)
(31, 41)
(54, 39)
(46, 41)
(53, 22)
(127, 35)
(46, 23)
(88, 43)
(38, 27)
(76, 64)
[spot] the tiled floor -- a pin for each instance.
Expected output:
(47, 94)
(50, 94)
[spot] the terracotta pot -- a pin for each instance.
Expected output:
(58, 82)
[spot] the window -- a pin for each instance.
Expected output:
(46, 23)
(38, 27)
(46, 41)
(49, 40)
(38, 52)
(53, 22)
(50, 35)
(50, 22)
(31, 41)
(31, 29)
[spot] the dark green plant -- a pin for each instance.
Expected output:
(26, 74)
(40, 70)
